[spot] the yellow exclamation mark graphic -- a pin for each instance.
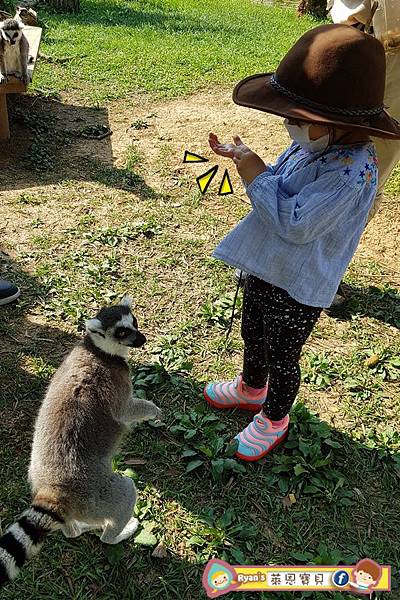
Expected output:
(203, 181)
(226, 185)
(191, 157)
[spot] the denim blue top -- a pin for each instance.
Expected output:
(308, 213)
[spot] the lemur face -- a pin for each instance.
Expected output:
(22, 12)
(11, 31)
(117, 325)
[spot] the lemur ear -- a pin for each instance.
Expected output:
(94, 326)
(127, 301)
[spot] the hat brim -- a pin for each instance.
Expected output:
(257, 92)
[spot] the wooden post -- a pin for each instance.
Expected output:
(4, 125)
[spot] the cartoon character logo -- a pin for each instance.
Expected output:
(219, 578)
(366, 575)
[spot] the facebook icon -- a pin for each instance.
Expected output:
(340, 578)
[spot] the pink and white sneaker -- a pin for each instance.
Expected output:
(231, 394)
(260, 437)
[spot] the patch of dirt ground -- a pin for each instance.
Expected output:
(161, 131)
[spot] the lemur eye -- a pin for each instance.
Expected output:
(122, 332)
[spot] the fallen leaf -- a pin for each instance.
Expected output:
(160, 551)
(289, 500)
(372, 360)
(229, 484)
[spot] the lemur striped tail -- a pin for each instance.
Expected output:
(24, 538)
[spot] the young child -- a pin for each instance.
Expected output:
(309, 211)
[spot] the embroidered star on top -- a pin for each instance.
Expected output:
(347, 171)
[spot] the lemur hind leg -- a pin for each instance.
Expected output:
(116, 505)
(74, 529)
(127, 532)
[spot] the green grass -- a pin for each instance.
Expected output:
(163, 47)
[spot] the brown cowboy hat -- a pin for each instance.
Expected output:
(333, 75)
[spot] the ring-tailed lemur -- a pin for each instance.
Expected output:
(86, 410)
(14, 49)
(26, 15)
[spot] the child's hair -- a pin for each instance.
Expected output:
(369, 566)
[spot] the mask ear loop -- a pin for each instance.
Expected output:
(331, 133)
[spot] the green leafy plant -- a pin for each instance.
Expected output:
(140, 124)
(206, 444)
(45, 139)
(325, 556)
(76, 281)
(26, 198)
(379, 302)
(307, 465)
(319, 370)
(385, 441)
(147, 378)
(172, 352)
(221, 535)
(114, 554)
(219, 311)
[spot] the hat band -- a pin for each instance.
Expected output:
(360, 112)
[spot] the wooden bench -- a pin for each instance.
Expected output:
(14, 85)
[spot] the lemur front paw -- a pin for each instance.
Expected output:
(144, 410)
(157, 412)
(23, 77)
(3, 78)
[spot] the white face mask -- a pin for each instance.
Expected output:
(301, 135)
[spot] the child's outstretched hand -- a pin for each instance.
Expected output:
(247, 162)
(227, 150)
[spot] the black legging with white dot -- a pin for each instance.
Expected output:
(274, 329)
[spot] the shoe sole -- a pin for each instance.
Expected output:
(250, 407)
(9, 299)
(260, 456)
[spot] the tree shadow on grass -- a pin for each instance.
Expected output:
(381, 304)
(29, 349)
(54, 143)
(156, 17)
